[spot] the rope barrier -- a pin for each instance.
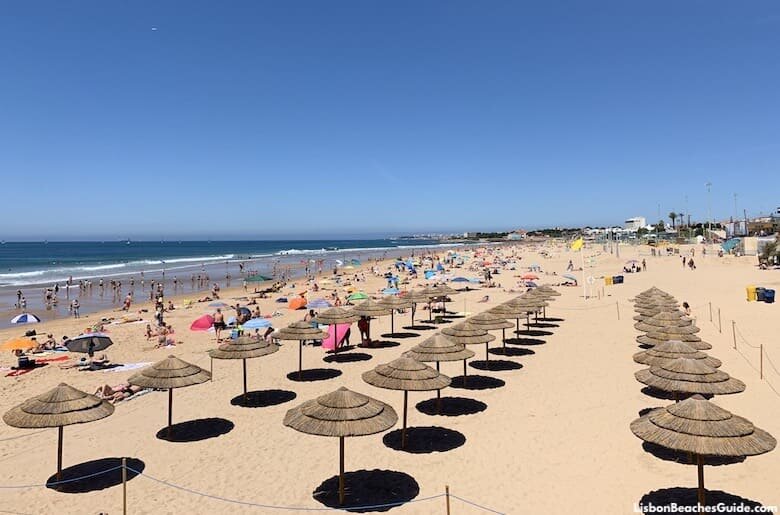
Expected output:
(24, 436)
(476, 505)
(739, 333)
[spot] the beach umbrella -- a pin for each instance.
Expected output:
(702, 428)
(516, 309)
(59, 407)
(168, 374)
(406, 374)
(439, 348)
(25, 318)
(530, 276)
(489, 322)
(18, 344)
(665, 320)
(460, 280)
(357, 296)
(569, 277)
(341, 414)
(415, 297)
(203, 323)
(333, 317)
(82, 343)
(301, 331)
(466, 333)
(258, 278)
(670, 350)
(256, 323)
(370, 308)
(442, 291)
(395, 302)
(318, 304)
(686, 375)
(657, 337)
(244, 348)
(548, 290)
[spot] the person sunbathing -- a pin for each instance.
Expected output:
(117, 393)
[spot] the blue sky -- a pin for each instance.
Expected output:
(264, 119)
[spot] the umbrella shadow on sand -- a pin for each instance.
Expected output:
(495, 365)
(687, 497)
(532, 332)
(684, 458)
(196, 430)
(367, 488)
(314, 374)
(399, 336)
(425, 439)
(421, 327)
(379, 344)
(524, 341)
(511, 351)
(551, 319)
(263, 398)
(451, 406)
(347, 357)
(542, 325)
(476, 382)
(669, 396)
(93, 480)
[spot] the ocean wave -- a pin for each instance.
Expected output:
(197, 259)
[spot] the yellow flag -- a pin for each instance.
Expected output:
(577, 244)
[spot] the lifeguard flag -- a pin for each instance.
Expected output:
(577, 244)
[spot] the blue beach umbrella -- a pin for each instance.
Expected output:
(570, 277)
(318, 304)
(257, 323)
(25, 318)
(391, 291)
(460, 280)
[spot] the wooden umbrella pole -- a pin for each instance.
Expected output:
(392, 322)
(300, 358)
(60, 431)
(170, 410)
(438, 402)
(700, 466)
(503, 338)
(341, 470)
(414, 308)
(464, 372)
(403, 431)
(244, 363)
(487, 353)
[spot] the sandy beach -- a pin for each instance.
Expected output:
(548, 435)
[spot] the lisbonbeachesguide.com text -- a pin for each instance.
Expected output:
(715, 508)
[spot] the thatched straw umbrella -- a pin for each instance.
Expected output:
(665, 352)
(533, 301)
(489, 322)
(439, 348)
(395, 302)
(548, 290)
(341, 413)
(333, 317)
(667, 320)
(370, 308)
(659, 337)
(704, 429)
(168, 374)
(416, 297)
(515, 311)
(443, 291)
(244, 348)
(427, 293)
(301, 331)
(406, 374)
(59, 407)
(685, 375)
(541, 296)
(467, 334)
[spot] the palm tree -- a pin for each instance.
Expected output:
(672, 217)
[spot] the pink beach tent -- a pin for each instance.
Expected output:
(341, 331)
(204, 323)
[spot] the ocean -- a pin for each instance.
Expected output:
(34, 266)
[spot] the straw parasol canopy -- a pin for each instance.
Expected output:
(548, 290)
(686, 375)
(467, 333)
(667, 320)
(439, 348)
(702, 428)
(415, 297)
(371, 308)
(665, 352)
(491, 321)
(244, 348)
(406, 374)
(301, 331)
(394, 302)
(659, 337)
(59, 407)
(168, 374)
(340, 414)
(334, 316)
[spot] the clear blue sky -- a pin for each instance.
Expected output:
(261, 119)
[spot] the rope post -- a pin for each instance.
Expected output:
(761, 360)
(447, 497)
(734, 332)
(124, 486)
(710, 311)
(720, 328)
(617, 305)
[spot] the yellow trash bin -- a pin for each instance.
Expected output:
(608, 282)
(751, 293)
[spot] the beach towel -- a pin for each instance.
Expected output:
(21, 371)
(329, 342)
(50, 360)
(128, 366)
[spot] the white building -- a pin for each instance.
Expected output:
(633, 224)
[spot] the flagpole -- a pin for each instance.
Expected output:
(584, 283)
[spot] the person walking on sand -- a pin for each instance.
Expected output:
(74, 306)
(219, 322)
(691, 264)
(644, 265)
